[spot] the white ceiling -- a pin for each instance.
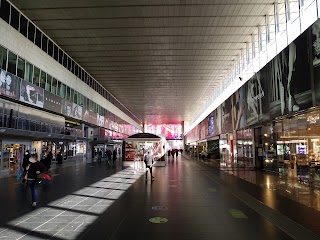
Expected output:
(160, 58)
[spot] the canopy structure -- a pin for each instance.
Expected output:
(143, 137)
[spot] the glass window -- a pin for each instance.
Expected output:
(12, 63)
(67, 93)
(3, 58)
(71, 95)
(50, 48)
(54, 86)
(60, 56)
(55, 52)
(62, 89)
(36, 76)
(29, 71)
(80, 99)
(48, 83)
(31, 31)
(23, 25)
(75, 97)
(44, 43)
(5, 10)
(43, 79)
(14, 21)
(84, 102)
(38, 38)
(21, 68)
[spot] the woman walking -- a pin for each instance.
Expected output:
(33, 170)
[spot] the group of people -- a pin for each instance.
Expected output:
(110, 156)
(174, 152)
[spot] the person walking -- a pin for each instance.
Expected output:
(114, 156)
(177, 153)
(33, 170)
(109, 155)
(172, 153)
(149, 162)
(25, 163)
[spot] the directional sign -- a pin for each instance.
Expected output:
(158, 220)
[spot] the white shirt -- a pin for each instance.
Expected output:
(149, 159)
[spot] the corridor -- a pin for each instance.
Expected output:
(187, 200)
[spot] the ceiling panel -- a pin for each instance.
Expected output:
(161, 59)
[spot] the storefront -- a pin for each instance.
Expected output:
(226, 145)
(136, 146)
(243, 148)
(11, 154)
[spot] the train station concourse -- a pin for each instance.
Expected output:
(160, 119)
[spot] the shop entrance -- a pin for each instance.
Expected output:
(12, 153)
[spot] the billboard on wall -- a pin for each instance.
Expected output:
(288, 78)
(239, 108)
(316, 58)
(31, 94)
(76, 111)
(226, 122)
(52, 102)
(66, 108)
(9, 84)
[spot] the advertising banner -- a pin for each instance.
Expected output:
(76, 111)
(239, 109)
(316, 58)
(66, 108)
(85, 115)
(226, 116)
(100, 120)
(52, 102)
(31, 94)
(9, 85)
(288, 79)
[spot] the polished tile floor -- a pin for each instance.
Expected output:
(187, 200)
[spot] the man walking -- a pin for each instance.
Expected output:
(149, 162)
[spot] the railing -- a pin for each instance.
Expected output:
(37, 126)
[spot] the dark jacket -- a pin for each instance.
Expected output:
(34, 167)
(114, 155)
(25, 161)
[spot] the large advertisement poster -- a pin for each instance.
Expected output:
(85, 115)
(239, 108)
(210, 120)
(217, 120)
(9, 85)
(100, 120)
(31, 94)
(288, 77)
(226, 116)
(52, 102)
(66, 108)
(76, 111)
(316, 58)
(257, 101)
